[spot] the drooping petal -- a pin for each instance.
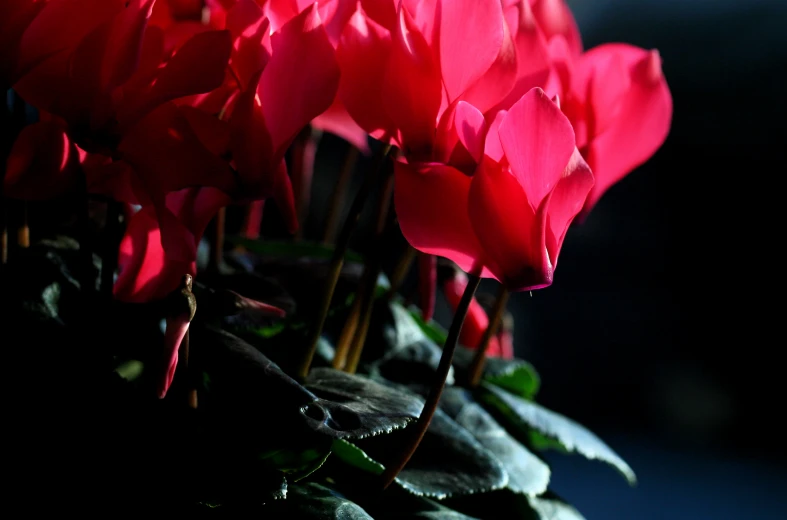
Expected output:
(538, 141)
(566, 202)
(43, 163)
(362, 55)
(463, 58)
(510, 232)
(412, 89)
(644, 119)
(431, 205)
(292, 95)
(427, 284)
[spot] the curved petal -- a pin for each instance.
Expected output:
(251, 32)
(301, 79)
(431, 205)
(42, 164)
(412, 89)
(509, 231)
(645, 116)
(381, 11)
(463, 59)
(15, 17)
(538, 141)
(566, 202)
(363, 53)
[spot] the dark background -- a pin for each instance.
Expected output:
(660, 331)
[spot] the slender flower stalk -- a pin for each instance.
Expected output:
(23, 233)
(304, 152)
(337, 261)
(372, 270)
(110, 260)
(495, 318)
(337, 198)
(401, 269)
(217, 252)
(418, 430)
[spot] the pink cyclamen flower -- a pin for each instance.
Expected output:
(508, 220)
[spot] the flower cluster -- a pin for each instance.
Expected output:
(506, 128)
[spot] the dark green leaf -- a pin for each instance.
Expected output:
(351, 454)
(407, 354)
(314, 501)
(553, 510)
(515, 375)
(298, 463)
(391, 506)
(432, 329)
(449, 461)
(354, 407)
(506, 504)
(526, 473)
(528, 416)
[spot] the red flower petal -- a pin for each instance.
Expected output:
(301, 79)
(431, 205)
(412, 89)
(509, 231)
(471, 129)
(196, 68)
(464, 59)
(538, 141)
(337, 121)
(42, 164)
(642, 125)
(362, 55)
(566, 202)
(56, 29)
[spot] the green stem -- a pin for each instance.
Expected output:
(496, 316)
(418, 430)
(337, 261)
